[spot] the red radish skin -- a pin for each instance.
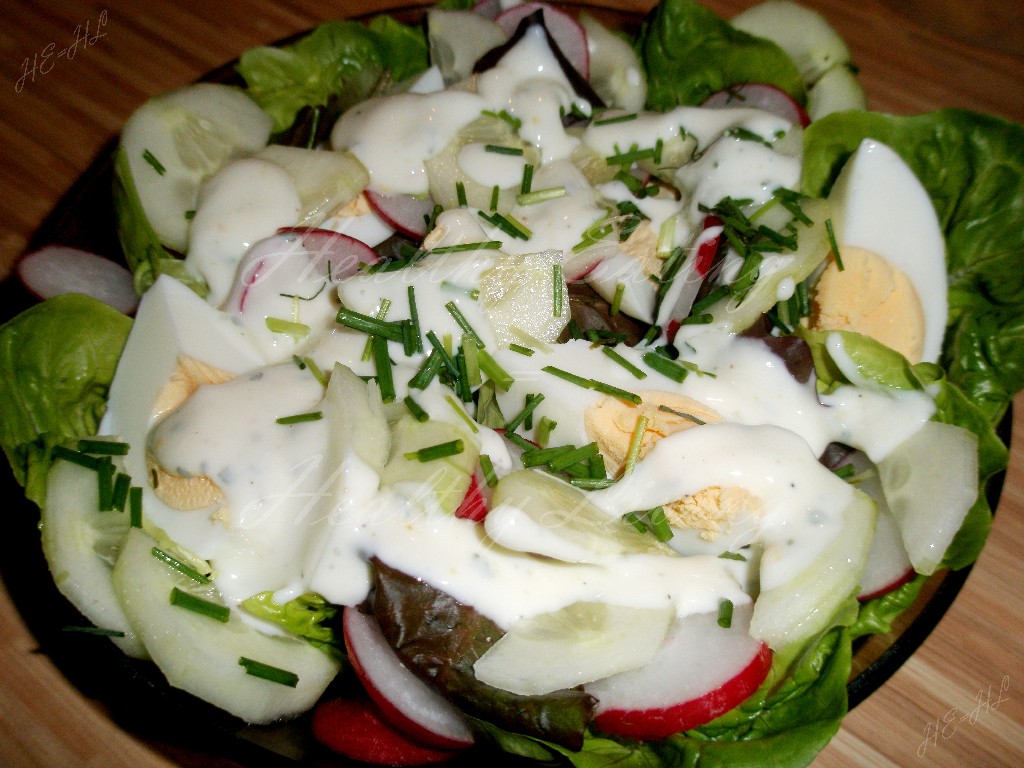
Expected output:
(402, 699)
(645, 725)
(405, 213)
(906, 578)
(58, 269)
(474, 505)
(355, 729)
(760, 96)
(567, 33)
(346, 254)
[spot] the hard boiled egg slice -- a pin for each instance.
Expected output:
(893, 284)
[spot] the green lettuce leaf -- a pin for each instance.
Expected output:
(338, 64)
(57, 360)
(308, 616)
(144, 254)
(973, 168)
(689, 53)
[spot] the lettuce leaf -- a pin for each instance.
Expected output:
(689, 53)
(973, 168)
(338, 64)
(57, 360)
(308, 616)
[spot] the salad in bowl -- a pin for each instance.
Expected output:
(503, 382)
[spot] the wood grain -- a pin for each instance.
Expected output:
(958, 702)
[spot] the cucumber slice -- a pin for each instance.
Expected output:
(201, 655)
(615, 71)
(806, 604)
(805, 35)
(457, 39)
(837, 90)
(176, 140)
(81, 545)
(578, 644)
(325, 180)
(534, 512)
(519, 293)
(442, 482)
(930, 482)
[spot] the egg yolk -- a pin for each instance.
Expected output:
(870, 296)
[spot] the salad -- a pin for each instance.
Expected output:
(503, 383)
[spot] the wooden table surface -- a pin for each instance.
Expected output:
(959, 701)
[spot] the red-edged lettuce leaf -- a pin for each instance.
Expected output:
(440, 639)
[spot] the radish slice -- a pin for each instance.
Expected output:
(489, 9)
(567, 33)
(760, 96)
(58, 269)
(688, 281)
(356, 729)
(684, 686)
(346, 254)
(406, 213)
(476, 503)
(405, 701)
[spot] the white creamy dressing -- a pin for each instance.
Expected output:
(305, 513)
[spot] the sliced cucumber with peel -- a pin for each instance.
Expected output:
(325, 180)
(81, 545)
(201, 655)
(176, 140)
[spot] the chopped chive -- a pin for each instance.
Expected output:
(711, 298)
(519, 226)
(483, 245)
(620, 290)
(462, 388)
(382, 312)
(845, 472)
(572, 378)
(183, 568)
(460, 194)
(659, 524)
(287, 327)
(122, 484)
(198, 605)
(414, 319)
(514, 122)
(590, 484)
(616, 119)
(636, 372)
(682, 415)
(75, 457)
(415, 409)
(442, 351)
(664, 366)
(652, 333)
(725, 614)
(135, 506)
(637, 439)
(318, 374)
(539, 457)
(635, 155)
(527, 447)
(150, 158)
(487, 467)
(597, 468)
(532, 401)
(105, 484)
(506, 225)
(634, 520)
(833, 244)
(103, 447)
(471, 353)
(521, 349)
(527, 184)
(385, 374)
(408, 338)
(558, 285)
(462, 322)
(617, 392)
(462, 414)
(540, 196)
(367, 324)
(189, 215)
(544, 427)
(268, 672)
(574, 457)
(593, 235)
(435, 452)
(493, 370)
(300, 418)
(495, 195)
(733, 556)
(98, 631)
(428, 370)
(498, 149)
